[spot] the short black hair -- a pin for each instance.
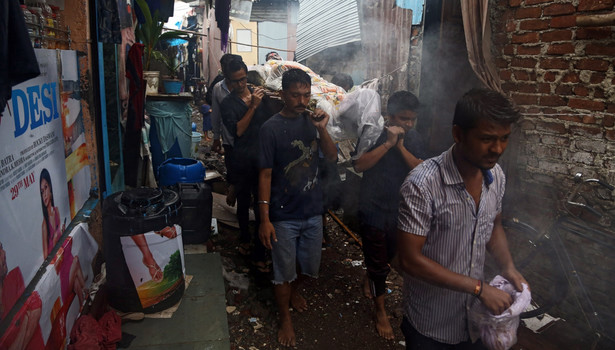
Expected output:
(478, 104)
(402, 101)
(269, 54)
(234, 65)
(295, 75)
(343, 80)
(225, 59)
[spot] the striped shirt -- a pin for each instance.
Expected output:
(436, 204)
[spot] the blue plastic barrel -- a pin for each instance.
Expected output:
(184, 170)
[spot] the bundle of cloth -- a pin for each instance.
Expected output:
(353, 115)
(499, 332)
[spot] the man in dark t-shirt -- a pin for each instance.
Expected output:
(290, 197)
(243, 114)
(384, 167)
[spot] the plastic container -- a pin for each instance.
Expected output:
(184, 170)
(132, 284)
(196, 139)
(197, 202)
(172, 86)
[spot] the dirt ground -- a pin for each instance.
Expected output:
(338, 315)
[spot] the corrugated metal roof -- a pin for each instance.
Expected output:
(324, 24)
(269, 11)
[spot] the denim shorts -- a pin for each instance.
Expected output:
(299, 242)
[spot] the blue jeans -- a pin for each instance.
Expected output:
(299, 245)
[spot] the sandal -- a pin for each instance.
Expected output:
(155, 272)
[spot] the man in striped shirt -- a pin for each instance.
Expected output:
(449, 215)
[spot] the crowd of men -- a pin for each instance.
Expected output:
(438, 216)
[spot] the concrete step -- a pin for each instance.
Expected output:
(200, 321)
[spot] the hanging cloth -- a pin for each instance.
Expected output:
(17, 59)
(134, 120)
(223, 11)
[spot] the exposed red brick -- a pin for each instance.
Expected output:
(585, 130)
(559, 9)
(557, 35)
(610, 134)
(528, 12)
(524, 99)
(521, 75)
(611, 108)
(529, 88)
(608, 121)
(594, 33)
(523, 62)
(501, 63)
(534, 2)
(589, 119)
(525, 38)
(571, 77)
(561, 90)
(557, 128)
(543, 88)
(508, 50)
(549, 76)
(593, 64)
(511, 26)
(569, 118)
(533, 24)
(505, 74)
(581, 91)
(597, 49)
(528, 50)
(595, 5)
(560, 49)
(414, 42)
(563, 22)
(552, 100)
(597, 78)
(586, 104)
(554, 63)
(514, 3)
(416, 30)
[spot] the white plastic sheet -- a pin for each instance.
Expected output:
(499, 332)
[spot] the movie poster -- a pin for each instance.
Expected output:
(44, 176)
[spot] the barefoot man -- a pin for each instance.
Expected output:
(385, 166)
(290, 197)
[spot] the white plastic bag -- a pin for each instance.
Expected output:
(499, 332)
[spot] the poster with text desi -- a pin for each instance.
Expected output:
(39, 190)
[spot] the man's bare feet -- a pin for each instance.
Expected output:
(383, 326)
(286, 333)
(367, 292)
(298, 302)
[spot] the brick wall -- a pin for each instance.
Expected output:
(562, 77)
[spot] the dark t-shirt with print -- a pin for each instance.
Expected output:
(289, 146)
